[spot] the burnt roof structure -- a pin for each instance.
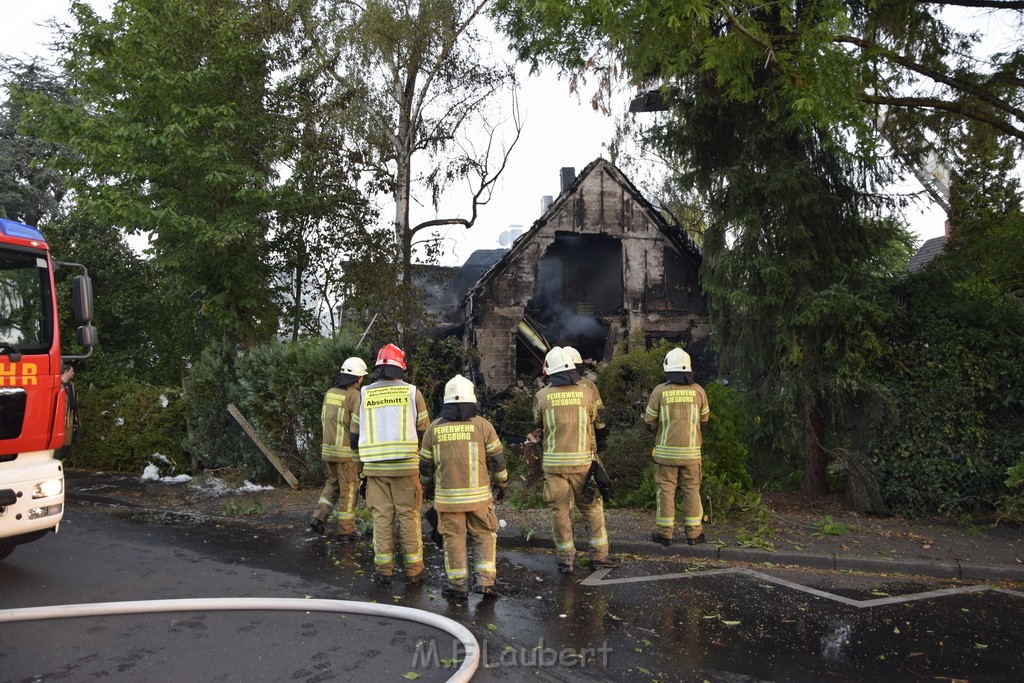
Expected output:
(602, 263)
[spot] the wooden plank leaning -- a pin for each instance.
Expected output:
(271, 456)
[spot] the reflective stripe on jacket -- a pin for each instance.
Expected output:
(390, 414)
(341, 404)
(598, 406)
(677, 411)
(567, 414)
(455, 458)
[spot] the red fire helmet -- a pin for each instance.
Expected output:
(390, 354)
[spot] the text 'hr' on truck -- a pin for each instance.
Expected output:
(34, 415)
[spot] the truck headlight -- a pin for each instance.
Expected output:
(50, 487)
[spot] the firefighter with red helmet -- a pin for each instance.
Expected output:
(458, 450)
(341, 405)
(567, 413)
(675, 411)
(386, 433)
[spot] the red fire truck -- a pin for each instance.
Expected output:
(34, 415)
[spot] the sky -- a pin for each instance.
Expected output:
(561, 129)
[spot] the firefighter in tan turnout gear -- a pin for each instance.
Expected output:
(456, 453)
(567, 413)
(392, 417)
(675, 411)
(341, 405)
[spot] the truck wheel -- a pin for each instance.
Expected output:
(6, 550)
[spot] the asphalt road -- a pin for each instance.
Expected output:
(651, 620)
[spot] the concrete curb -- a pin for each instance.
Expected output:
(966, 571)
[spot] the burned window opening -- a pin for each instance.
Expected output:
(579, 282)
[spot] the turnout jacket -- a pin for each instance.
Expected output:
(567, 414)
(455, 457)
(599, 423)
(390, 414)
(677, 411)
(341, 405)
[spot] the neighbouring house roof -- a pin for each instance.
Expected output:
(478, 263)
(928, 251)
(445, 286)
(674, 232)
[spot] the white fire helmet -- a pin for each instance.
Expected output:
(677, 360)
(573, 355)
(459, 390)
(354, 366)
(557, 360)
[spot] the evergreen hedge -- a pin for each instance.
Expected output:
(955, 426)
(127, 426)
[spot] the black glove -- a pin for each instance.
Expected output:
(428, 493)
(589, 491)
(597, 481)
(500, 491)
(362, 487)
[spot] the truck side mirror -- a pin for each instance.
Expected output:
(81, 295)
(87, 336)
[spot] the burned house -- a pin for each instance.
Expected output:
(600, 264)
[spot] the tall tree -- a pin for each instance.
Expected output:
(30, 192)
(421, 78)
(171, 133)
(129, 302)
(986, 219)
(321, 211)
(773, 111)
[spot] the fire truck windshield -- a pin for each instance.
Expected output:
(26, 302)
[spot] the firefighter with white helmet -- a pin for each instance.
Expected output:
(675, 411)
(567, 413)
(386, 432)
(461, 460)
(341, 404)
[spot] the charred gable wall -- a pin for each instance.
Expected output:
(599, 264)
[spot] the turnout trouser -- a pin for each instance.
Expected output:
(390, 499)
(482, 527)
(685, 476)
(561, 493)
(339, 489)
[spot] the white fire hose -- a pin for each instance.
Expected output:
(104, 609)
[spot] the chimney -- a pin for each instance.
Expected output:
(568, 175)
(545, 203)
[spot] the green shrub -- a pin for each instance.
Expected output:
(956, 422)
(124, 427)
(1011, 504)
(630, 466)
(725, 435)
(215, 439)
(524, 496)
(513, 417)
(433, 364)
(279, 388)
(626, 383)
